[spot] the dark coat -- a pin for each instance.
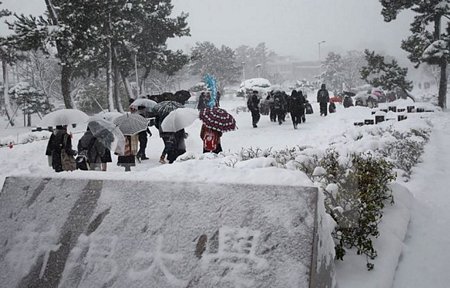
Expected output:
(253, 103)
(95, 150)
(203, 100)
(56, 144)
(323, 96)
(296, 103)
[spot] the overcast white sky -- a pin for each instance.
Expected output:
(289, 27)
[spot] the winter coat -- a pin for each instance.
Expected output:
(253, 103)
(323, 96)
(91, 147)
(202, 101)
(56, 144)
(296, 103)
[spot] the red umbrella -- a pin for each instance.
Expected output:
(217, 119)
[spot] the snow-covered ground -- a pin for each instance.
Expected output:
(426, 247)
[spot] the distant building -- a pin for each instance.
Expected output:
(290, 68)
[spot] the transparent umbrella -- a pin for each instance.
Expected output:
(108, 134)
(131, 124)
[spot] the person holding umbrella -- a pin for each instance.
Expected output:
(91, 151)
(60, 143)
(211, 140)
(143, 135)
(130, 125)
(216, 121)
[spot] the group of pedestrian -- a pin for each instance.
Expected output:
(296, 104)
(94, 155)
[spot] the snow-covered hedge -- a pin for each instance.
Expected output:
(354, 175)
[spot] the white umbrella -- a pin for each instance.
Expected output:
(147, 103)
(179, 119)
(108, 134)
(131, 124)
(64, 117)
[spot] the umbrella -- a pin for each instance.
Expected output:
(163, 108)
(147, 103)
(179, 119)
(110, 116)
(217, 119)
(64, 117)
(108, 134)
(131, 124)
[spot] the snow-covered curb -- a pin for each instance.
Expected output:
(352, 272)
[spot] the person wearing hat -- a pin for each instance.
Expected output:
(253, 106)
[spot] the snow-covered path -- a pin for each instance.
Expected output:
(427, 246)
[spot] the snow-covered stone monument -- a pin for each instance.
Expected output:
(103, 233)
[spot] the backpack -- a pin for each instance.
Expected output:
(67, 161)
(82, 159)
(308, 108)
(210, 140)
(332, 107)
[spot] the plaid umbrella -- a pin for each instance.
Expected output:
(217, 119)
(163, 108)
(131, 124)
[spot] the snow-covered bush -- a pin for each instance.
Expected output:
(356, 190)
(405, 151)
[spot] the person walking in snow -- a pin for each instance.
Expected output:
(211, 140)
(91, 150)
(279, 106)
(296, 104)
(203, 100)
(323, 98)
(59, 140)
(143, 135)
(129, 158)
(253, 106)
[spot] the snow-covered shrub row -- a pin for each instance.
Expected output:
(405, 151)
(24, 138)
(354, 174)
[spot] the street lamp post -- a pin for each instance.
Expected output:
(319, 48)
(258, 69)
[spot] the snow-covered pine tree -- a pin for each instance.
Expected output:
(80, 31)
(333, 72)
(427, 43)
(30, 100)
(388, 76)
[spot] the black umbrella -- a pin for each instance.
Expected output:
(163, 108)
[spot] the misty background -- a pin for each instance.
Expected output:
(294, 44)
(288, 27)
